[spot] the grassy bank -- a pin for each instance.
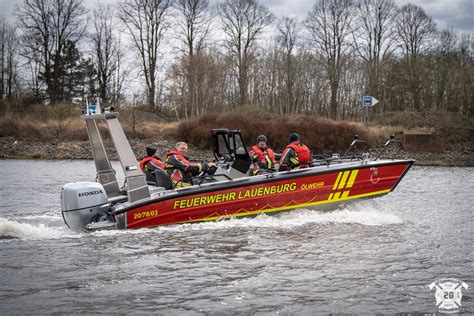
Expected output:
(72, 128)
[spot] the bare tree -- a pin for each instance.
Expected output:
(466, 82)
(51, 27)
(211, 93)
(105, 49)
(34, 82)
(194, 24)
(8, 60)
(445, 62)
(416, 32)
(288, 30)
(329, 24)
(146, 22)
(243, 22)
(122, 69)
(375, 39)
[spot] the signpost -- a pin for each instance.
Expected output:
(368, 101)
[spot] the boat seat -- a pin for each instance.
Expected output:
(159, 178)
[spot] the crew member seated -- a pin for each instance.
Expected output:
(262, 156)
(154, 169)
(296, 155)
(180, 169)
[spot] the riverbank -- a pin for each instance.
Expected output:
(12, 148)
(431, 138)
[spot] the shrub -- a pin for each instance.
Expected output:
(321, 135)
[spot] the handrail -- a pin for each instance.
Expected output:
(335, 157)
(391, 141)
(355, 142)
(325, 160)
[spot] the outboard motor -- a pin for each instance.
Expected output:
(83, 203)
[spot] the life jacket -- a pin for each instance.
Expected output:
(178, 155)
(303, 152)
(146, 160)
(155, 174)
(262, 158)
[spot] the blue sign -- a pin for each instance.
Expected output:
(369, 101)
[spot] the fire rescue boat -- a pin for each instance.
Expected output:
(228, 192)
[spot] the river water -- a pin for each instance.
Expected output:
(374, 256)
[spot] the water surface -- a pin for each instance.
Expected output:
(374, 256)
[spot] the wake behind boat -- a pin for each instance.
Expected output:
(228, 192)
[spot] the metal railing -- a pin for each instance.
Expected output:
(391, 142)
(358, 152)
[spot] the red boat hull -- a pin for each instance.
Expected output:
(318, 190)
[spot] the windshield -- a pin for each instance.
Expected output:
(239, 145)
(222, 145)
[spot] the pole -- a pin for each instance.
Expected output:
(366, 116)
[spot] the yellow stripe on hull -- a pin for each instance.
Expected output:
(352, 178)
(343, 180)
(337, 180)
(284, 208)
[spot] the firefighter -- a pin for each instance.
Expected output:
(262, 156)
(180, 169)
(151, 165)
(296, 155)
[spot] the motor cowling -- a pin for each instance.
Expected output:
(83, 203)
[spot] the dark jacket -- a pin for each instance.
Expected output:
(180, 169)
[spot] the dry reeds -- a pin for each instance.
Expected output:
(62, 122)
(321, 135)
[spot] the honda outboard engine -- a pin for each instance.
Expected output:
(83, 203)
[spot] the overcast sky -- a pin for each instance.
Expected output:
(457, 14)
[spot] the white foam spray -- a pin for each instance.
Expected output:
(12, 229)
(368, 213)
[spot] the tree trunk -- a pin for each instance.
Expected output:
(243, 87)
(151, 98)
(333, 104)
(191, 85)
(103, 88)
(2, 71)
(242, 82)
